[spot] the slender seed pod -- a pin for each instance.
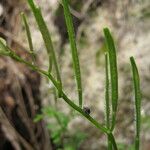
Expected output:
(137, 92)
(76, 64)
(47, 40)
(113, 73)
(28, 33)
(107, 99)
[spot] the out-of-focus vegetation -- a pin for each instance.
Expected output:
(58, 127)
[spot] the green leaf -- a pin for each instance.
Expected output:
(137, 92)
(28, 32)
(48, 111)
(60, 117)
(38, 118)
(56, 136)
(63, 119)
(107, 99)
(52, 126)
(3, 49)
(47, 40)
(3, 41)
(113, 73)
(107, 91)
(71, 34)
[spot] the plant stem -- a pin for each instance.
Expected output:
(112, 139)
(14, 56)
(109, 143)
(88, 117)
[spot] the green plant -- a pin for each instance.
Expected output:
(137, 92)
(58, 127)
(122, 146)
(111, 74)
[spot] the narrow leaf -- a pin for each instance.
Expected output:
(107, 100)
(38, 118)
(47, 40)
(71, 34)
(3, 41)
(107, 92)
(28, 32)
(113, 73)
(137, 92)
(3, 48)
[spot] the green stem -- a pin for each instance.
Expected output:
(109, 143)
(78, 109)
(63, 95)
(112, 139)
(68, 101)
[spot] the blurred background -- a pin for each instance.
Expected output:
(31, 116)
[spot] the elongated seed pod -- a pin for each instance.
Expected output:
(76, 64)
(28, 33)
(137, 92)
(47, 40)
(113, 73)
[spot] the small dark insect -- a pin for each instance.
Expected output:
(87, 110)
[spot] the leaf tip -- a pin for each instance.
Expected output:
(3, 41)
(106, 30)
